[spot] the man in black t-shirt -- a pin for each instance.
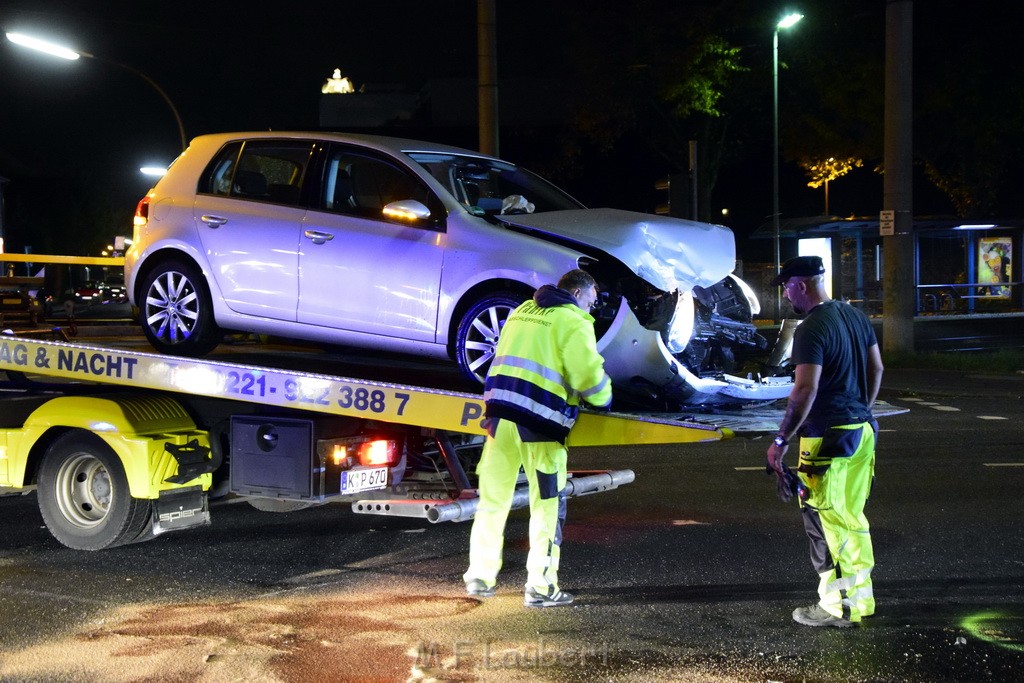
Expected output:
(838, 374)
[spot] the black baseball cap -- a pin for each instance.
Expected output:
(801, 266)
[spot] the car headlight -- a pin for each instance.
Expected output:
(680, 329)
(755, 305)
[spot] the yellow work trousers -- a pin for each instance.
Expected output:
(544, 464)
(838, 470)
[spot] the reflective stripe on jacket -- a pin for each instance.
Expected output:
(545, 362)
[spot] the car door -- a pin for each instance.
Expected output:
(360, 271)
(249, 215)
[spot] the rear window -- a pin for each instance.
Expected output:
(265, 170)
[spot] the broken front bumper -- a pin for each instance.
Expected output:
(635, 356)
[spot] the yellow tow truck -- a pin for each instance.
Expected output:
(121, 446)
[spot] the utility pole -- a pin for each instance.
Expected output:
(487, 75)
(899, 288)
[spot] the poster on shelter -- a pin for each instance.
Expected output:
(994, 265)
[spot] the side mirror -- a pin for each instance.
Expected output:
(406, 210)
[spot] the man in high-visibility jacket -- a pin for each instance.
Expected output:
(545, 362)
(838, 375)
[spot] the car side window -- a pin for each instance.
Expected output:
(362, 185)
(264, 170)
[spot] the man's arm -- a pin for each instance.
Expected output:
(801, 397)
(584, 366)
(875, 369)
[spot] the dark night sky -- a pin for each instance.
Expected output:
(226, 66)
(231, 66)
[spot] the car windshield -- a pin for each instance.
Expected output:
(482, 185)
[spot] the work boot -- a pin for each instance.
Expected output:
(815, 615)
(554, 598)
(478, 588)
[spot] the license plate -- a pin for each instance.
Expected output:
(353, 481)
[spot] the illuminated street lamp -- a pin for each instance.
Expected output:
(786, 22)
(67, 53)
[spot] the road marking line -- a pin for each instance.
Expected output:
(946, 408)
(929, 403)
(750, 469)
(992, 417)
(304, 578)
(912, 399)
(1003, 464)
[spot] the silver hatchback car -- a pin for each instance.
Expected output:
(421, 248)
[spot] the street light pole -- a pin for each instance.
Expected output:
(785, 22)
(67, 53)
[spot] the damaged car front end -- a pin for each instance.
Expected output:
(674, 323)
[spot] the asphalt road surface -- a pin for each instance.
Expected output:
(689, 574)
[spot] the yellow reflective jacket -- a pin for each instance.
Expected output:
(546, 361)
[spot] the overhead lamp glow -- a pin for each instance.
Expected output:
(789, 20)
(154, 171)
(979, 226)
(42, 46)
(55, 50)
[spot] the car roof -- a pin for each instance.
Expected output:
(381, 142)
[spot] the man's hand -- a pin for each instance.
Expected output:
(775, 454)
(783, 489)
(783, 475)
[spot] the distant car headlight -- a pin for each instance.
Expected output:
(680, 329)
(755, 305)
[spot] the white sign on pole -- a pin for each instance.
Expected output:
(886, 223)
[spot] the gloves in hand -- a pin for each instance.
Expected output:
(787, 483)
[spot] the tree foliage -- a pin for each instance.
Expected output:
(659, 75)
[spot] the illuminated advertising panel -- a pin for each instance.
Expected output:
(994, 266)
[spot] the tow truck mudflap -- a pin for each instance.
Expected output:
(180, 509)
(462, 509)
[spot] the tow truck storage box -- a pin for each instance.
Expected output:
(277, 458)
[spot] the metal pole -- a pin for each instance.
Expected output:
(899, 295)
(160, 91)
(487, 76)
(775, 167)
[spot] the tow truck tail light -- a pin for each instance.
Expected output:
(372, 453)
(378, 452)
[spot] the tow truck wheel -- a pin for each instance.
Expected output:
(176, 312)
(477, 337)
(83, 495)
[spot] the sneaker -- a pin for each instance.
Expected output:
(534, 598)
(480, 589)
(815, 615)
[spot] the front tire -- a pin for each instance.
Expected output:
(176, 311)
(477, 336)
(83, 495)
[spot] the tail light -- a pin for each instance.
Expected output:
(350, 452)
(142, 212)
(378, 453)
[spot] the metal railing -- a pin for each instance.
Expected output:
(968, 297)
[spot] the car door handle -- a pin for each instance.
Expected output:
(318, 237)
(213, 221)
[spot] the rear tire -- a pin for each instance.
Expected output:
(176, 311)
(477, 336)
(83, 495)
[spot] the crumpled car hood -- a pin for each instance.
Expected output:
(669, 253)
